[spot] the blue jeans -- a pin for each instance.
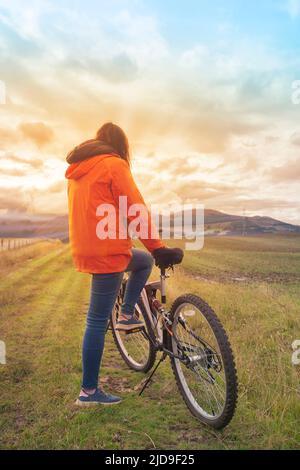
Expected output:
(104, 291)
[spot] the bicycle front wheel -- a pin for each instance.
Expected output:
(205, 370)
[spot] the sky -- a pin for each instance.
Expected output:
(202, 89)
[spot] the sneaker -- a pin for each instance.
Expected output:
(98, 398)
(132, 323)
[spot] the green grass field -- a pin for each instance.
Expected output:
(252, 283)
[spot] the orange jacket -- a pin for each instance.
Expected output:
(102, 180)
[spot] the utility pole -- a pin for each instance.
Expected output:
(244, 232)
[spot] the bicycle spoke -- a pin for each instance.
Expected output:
(203, 374)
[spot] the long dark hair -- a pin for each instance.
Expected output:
(114, 136)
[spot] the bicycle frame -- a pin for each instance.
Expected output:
(155, 286)
(160, 330)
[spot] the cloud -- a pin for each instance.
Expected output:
(13, 200)
(295, 139)
(27, 21)
(89, 64)
(258, 205)
(7, 136)
(37, 132)
(250, 164)
(140, 34)
(58, 187)
(177, 100)
(289, 172)
(120, 68)
(292, 7)
(202, 191)
(13, 172)
(34, 163)
(176, 166)
(173, 188)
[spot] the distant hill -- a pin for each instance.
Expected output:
(219, 223)
(216, 223)
(28, 225)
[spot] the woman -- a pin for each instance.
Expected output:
(99, 180)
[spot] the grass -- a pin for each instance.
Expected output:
(270, 258)
(43, 305)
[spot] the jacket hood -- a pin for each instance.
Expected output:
(90, 148)
(77, 170)
(85, 156)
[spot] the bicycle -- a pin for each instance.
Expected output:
(191, 334)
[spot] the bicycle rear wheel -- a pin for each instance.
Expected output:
(205, 373)
(135, 347)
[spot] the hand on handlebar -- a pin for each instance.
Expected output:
(167, 257)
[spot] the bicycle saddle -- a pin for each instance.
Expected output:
(167, 257)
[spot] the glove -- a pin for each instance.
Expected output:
(167, 257)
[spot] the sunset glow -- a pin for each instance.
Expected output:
(203, 90)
